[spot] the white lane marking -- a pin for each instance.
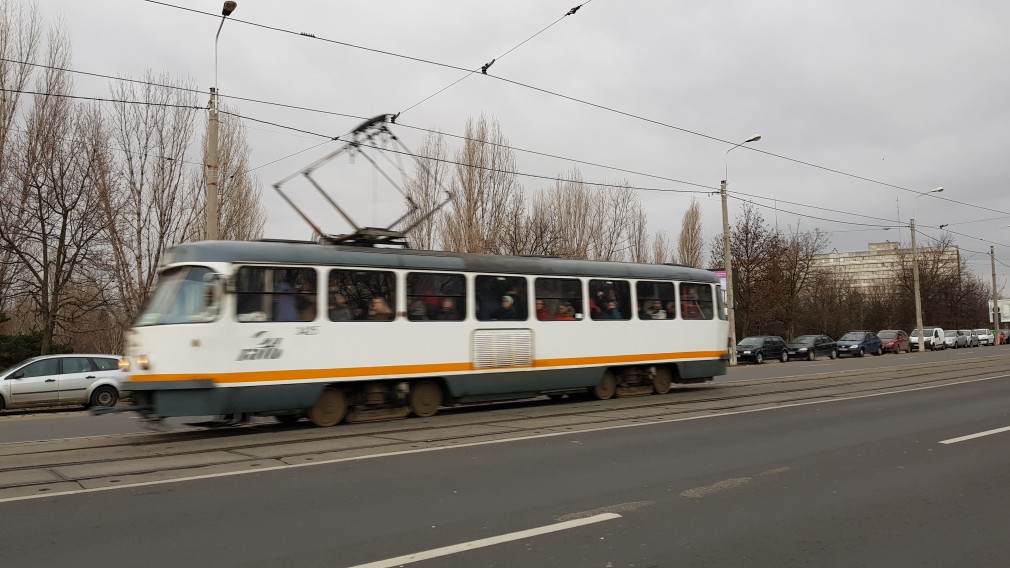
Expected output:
(484, 542)
(817, 365)
(973, 436)
(474, 444)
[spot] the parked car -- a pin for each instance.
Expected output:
(51, 380)
(954, 339)
(972, 337)
(760, 347)
(860, 343)
(932, 336)
(895, 340)
(985, 336)
(810, 346)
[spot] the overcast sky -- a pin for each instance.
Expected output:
(908, 93)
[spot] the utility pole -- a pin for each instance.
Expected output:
(995, 295)
(728, 257)
(211, 159)
(915, 272)
(915, 280)
(728, 265)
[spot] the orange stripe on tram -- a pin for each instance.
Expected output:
(408, 370)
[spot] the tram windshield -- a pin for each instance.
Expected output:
(183, 295)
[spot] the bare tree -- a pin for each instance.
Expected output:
(614, 215)
(691, 244)
(662, 249)
(755, 248)
(61, 165)
(796, 262)
(20, 34)
(639, 247)
(485, 191)
(240, 212)
(426, 190)
(151, 205)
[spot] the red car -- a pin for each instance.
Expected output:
(894, 340)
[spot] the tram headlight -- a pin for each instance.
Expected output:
(124, 364)
(143, 362)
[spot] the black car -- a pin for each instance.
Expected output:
(859, 343)
(760, 347)
(811, 346)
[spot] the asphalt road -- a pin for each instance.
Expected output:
(855, 482)
(71, 422)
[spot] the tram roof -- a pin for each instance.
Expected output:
(300, 252)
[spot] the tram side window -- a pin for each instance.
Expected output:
(435, 296)
(720, 303)
(276, 294)
(610, 299)
(501, 298)
(558, 299)
(362, 295)
(696, 301)
(656, 300)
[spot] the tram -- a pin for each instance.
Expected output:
(334, 332)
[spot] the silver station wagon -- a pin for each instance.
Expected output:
(56, 380)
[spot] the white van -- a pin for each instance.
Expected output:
(932, 336)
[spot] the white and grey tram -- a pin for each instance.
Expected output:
(333, 332)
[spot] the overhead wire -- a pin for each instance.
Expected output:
(808, 216)
(428, 130)
(710, 190)
(483, 69)
(591, 104)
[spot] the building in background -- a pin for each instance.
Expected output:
(879, 265)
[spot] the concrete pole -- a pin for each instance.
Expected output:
(995, 296)
(212, 156)
(728, 265)
(915, 280)
(211, 168)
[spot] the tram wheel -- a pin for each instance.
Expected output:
(425, 398)
(606, 388)
(663, 380)
(330, 408)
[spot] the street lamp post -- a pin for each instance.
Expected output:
(212, 153)
(915, 271)
(995, 296)
(727, 258)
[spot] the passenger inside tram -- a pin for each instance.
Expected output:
(506, 311)
(379, 310)
(542, 313)
(339, 311)
(447, 311)
(306, 302)
(611, 312)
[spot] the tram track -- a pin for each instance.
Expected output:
(28, 468)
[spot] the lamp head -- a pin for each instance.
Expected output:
(937, 190)
(229, 7)
(754, 138)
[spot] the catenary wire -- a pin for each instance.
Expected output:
(344, 115)
(483, 69)
(594, 105)
(518, 173)
(455, 136)
(805, 215)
